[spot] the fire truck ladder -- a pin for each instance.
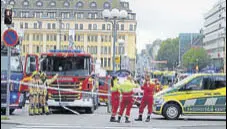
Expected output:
(66, 108)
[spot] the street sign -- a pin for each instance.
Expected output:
(10, 38)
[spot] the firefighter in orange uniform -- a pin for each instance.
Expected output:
(147, 100)
(115, 98)
(127, 98)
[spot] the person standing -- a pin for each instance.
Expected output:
(115, 98)
(147, 100)
(44, 98)
(126, 88)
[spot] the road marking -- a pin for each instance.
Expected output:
(82, 127)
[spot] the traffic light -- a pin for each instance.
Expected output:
(8, 17)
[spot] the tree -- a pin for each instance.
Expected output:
(196, 56)
(169, 51)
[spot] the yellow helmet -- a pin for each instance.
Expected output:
(35, 73)
(42, 74)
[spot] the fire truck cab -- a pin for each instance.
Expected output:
(75, 70)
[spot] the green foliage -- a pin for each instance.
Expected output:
(196, 56)
(169, 51)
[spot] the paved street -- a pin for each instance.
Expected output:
(100, 120)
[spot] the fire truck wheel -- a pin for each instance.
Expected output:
(3, 111)
(90, 110)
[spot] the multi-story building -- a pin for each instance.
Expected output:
(214, 32)
(46, 25)
(187, 41)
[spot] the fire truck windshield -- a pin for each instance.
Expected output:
(70, 66)
(16, 65)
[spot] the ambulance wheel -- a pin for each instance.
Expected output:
(171, 111)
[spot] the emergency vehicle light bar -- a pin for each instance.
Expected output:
(66, 51)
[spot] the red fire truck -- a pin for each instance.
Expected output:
(75, 70)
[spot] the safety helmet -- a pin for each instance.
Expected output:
(35, 73)
(42, 74)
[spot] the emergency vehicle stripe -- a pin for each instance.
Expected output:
(211, 101)
(200, 101)
(190, 102)
(221, 100)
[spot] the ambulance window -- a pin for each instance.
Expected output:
(218, 82)
(195, 84)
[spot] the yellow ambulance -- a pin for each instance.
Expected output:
(198, 94)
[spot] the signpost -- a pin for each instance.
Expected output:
(10, 39)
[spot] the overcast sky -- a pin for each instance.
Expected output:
(167, 18)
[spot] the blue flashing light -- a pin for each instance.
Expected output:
(14, 96)
(66, 51)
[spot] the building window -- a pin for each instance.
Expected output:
(48, 26)
(108, 26)
(95, 27)
(65, 15)
(52, 4)
(103, 26)
(93, 5)
(79, 15)
(90, 26)
(25, 3)
(106, 5)
(109, 61)
(62, 26)
(81, 26)
(51, 14)
(66, 4)
(38, 14)
(39, 3)
(110, 38)
(48, 37)
(37, 49)
(122, 27)
(131, 27)
(35, 26)
(79, 4)
(53, 26)
(92, 15)
(26, 25)
(109, 50)
(101, 62)
(105, 62)
(24, 14)
(67, 25)
(76, 27)
(105, 50)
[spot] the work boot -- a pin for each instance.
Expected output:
(119, 119)
(148, 118)
(127, 120)
(112, 119)
(140, 118)
(31, 111)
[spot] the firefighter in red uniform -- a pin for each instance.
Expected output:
(147, 100)
(115, 98)
(127, 98)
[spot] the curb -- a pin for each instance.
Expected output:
(10, 122)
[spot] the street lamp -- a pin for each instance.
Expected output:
(114, 16)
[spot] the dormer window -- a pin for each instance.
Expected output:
(53, 4)
(25, 3)
(106, 5)
(93, 5)
(39, 4)
(79, 4)
(66, 4)
(12, 2)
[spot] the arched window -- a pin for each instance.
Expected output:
(39, 3)
(25, 3)
(66, 4)
(93, 5)
(52, 4)
(106, 5)
(79, 4)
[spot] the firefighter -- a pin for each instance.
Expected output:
(126, 88)
(115, 98)
(147, 100)
(46, 82)
(34, 94)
